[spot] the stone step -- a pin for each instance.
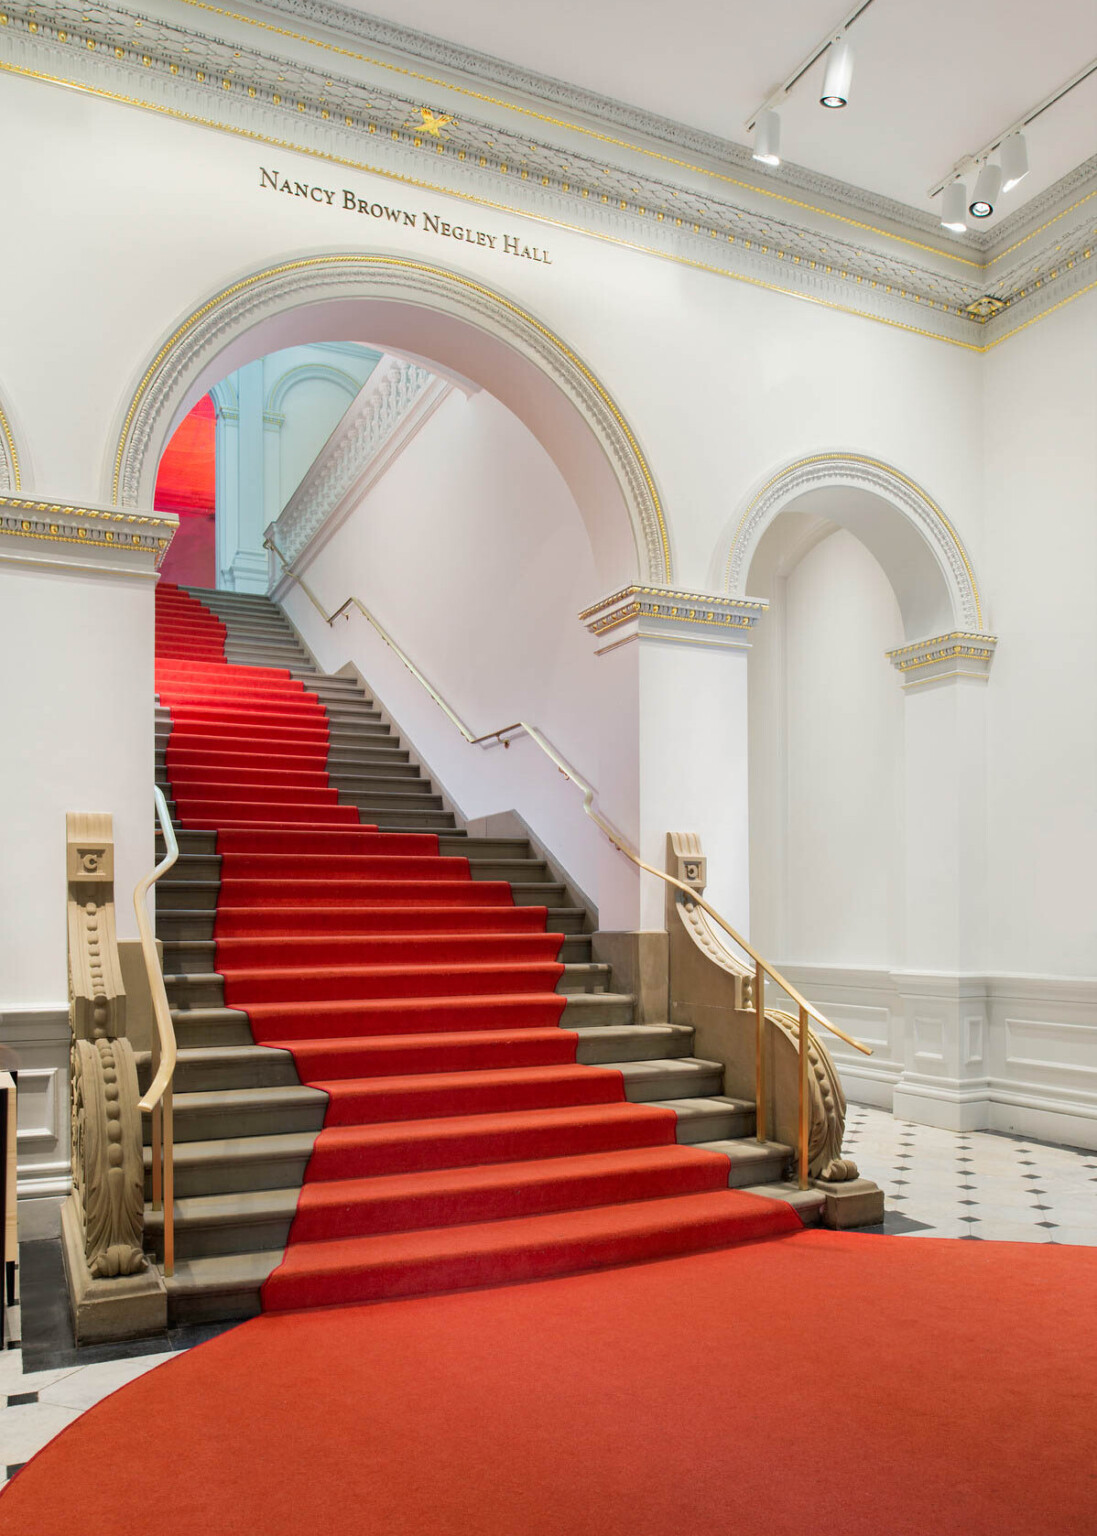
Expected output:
(585, 977)
(753, 1163)
(669, 1077)
(807, 1203)
(522, 871)
(381, 775)
(218, 1289)
(590, 1009)
(194, 989)
(716, 1117)
(209, 1068)
(539, 893)
(241, 1221)
(229, 1112)
(599, 1044)
(183, 926)
(197, 1028)
(236, 1163)
(198, 955)
(416, 799)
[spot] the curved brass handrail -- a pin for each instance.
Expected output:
(619, 841)
(158, 1099)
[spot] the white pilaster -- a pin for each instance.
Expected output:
(675, 678)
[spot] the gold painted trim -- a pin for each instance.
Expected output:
(404, 264)
(482, 202)
(59, 509)
(5, 427)
(861, 458)
(662, 594)
(560, 122)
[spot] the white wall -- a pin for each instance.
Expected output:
(471, 551)
(1040, 463)
(826, 762)
(77, 735)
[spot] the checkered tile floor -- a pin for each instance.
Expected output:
(974, 1184)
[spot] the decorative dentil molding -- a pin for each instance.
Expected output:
(860, 471)
(692, 213)
(100, 531)
(957, 654)
(639, 612)
(379, 421)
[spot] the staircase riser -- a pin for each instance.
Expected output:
(258, 1120)
(234, 1178)
(204, 1242)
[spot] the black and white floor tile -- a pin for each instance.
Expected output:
(974, 1184)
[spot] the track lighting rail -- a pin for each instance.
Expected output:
(776, 97)
(969, 162)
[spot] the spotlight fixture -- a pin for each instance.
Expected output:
(767, 137)
(1014, 159)
(954, 210)
(987, 189)
(838, 75)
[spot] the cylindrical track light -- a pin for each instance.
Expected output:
(954, 207)
(1014, 157)
(987, 190)
(767, 138)
(838, 75)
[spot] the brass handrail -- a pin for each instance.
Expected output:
(762, 968)
(158, 1100)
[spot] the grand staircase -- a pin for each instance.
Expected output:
(440, 988)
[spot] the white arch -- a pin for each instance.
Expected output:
(412, 308)
(302, 372)
(904, 528)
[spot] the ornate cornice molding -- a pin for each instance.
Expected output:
(96, 530)
(390, 407)
(687, 213)
(639, 612)
(858, 470)
(957, 654)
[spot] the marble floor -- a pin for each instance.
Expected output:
(972, 1186)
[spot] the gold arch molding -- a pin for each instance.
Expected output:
(10, 476)
(340, 276)
(902, 494)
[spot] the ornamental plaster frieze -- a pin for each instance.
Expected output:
(363, 125)
(392, 405)
(32, 529)
(943, 657)
(640, 612)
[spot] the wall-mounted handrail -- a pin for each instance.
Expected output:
(158, 1099)
(621, 843)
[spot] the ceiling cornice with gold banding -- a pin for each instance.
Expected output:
(357, 121)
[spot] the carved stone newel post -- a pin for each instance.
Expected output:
(114, 1292)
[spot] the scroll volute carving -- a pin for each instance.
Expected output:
(96, 994)
(107, 1166)
(712, 989)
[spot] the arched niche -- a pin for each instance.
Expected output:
(416, 309)
(897, 521)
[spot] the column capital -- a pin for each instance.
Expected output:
(640, 612)
(941, 657)
(110, 540)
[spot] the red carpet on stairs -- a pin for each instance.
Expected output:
(463, 1145)
(823, 1382)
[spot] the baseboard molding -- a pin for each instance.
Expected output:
(1015, 1053)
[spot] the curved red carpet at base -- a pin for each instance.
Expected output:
(822, 1381)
